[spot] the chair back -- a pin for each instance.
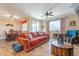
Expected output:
(6, 33)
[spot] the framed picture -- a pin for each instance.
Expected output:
(72, 23)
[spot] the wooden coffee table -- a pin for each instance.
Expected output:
(65, 49)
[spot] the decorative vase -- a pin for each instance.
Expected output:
(60, 39)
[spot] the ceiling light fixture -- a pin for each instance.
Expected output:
(10, 16)
(16, 17)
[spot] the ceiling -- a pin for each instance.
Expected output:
(33, 9)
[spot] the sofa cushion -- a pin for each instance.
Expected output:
(45, 34)
(40, 38)
(45, 37)
(34, 34)
(40, 33)
(34, 41)
(25, 35)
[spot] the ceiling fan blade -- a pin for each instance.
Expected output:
(50, 13)
(43, 15)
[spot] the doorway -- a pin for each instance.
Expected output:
(54, 28)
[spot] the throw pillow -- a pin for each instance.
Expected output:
(34, 34)
(30, 35)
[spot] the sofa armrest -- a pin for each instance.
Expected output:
(25, 42)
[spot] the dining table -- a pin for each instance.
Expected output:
(12, 36)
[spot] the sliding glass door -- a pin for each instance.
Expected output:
(54, 26)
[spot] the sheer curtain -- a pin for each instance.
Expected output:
(35, 26)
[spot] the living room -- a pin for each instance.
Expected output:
(30, 29)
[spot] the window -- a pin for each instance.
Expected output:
(24, 25)
(35, 26)
(54, 25)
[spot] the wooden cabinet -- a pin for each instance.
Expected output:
(65, 49)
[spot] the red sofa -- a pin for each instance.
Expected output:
(37, 39)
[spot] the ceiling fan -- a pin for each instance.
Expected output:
(47, 14)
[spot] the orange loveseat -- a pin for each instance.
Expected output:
(37, 39)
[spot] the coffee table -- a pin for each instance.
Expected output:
(65, 49)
